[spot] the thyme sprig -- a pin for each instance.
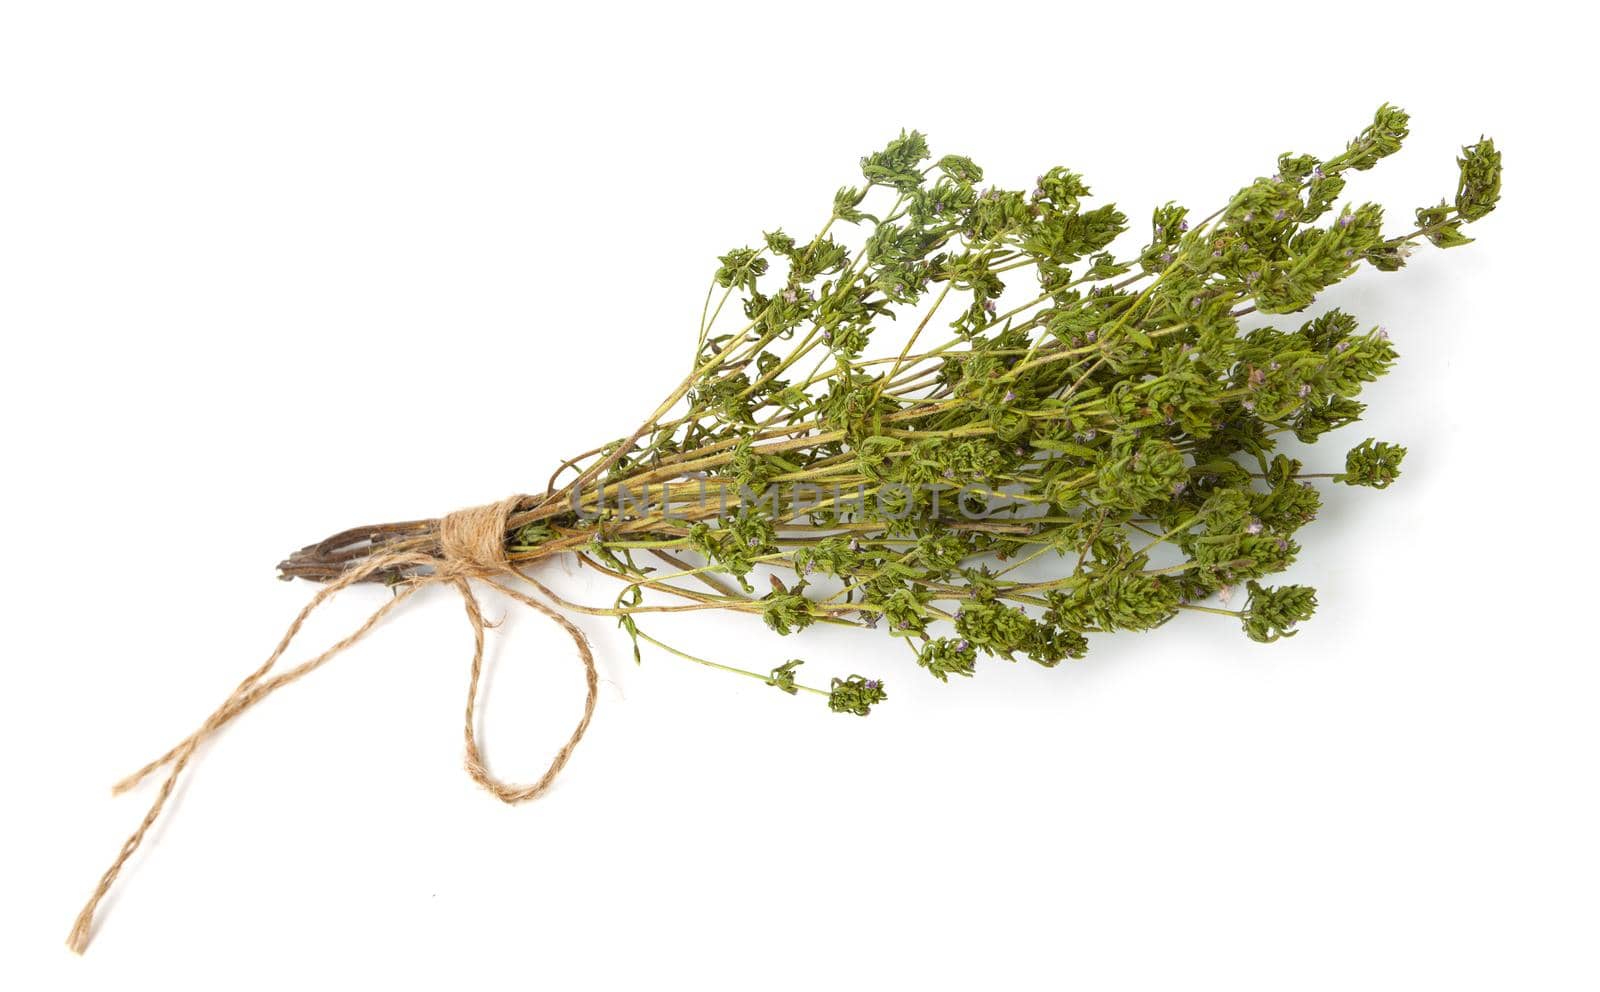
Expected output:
(1054, 401)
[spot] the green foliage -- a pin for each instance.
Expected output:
(896, 165)
(855, 695)
(741, 267)
(1479, 189)
(1137, 474)
(1372, 463)
(785, 611)
(946, 656)
(1108, 412)
(1378, 140)
(1272, 611)
(783, 676)
(1117, 599)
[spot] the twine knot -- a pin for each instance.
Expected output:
(474, 540)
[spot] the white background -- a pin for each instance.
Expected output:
(270, 270)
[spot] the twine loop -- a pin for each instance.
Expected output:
(471, 548)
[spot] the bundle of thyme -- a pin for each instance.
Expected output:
(1117, 424)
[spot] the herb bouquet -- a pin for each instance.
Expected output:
(1107, 418)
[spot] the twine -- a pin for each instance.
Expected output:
(472, 547)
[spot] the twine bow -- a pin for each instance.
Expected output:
(472, 545)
